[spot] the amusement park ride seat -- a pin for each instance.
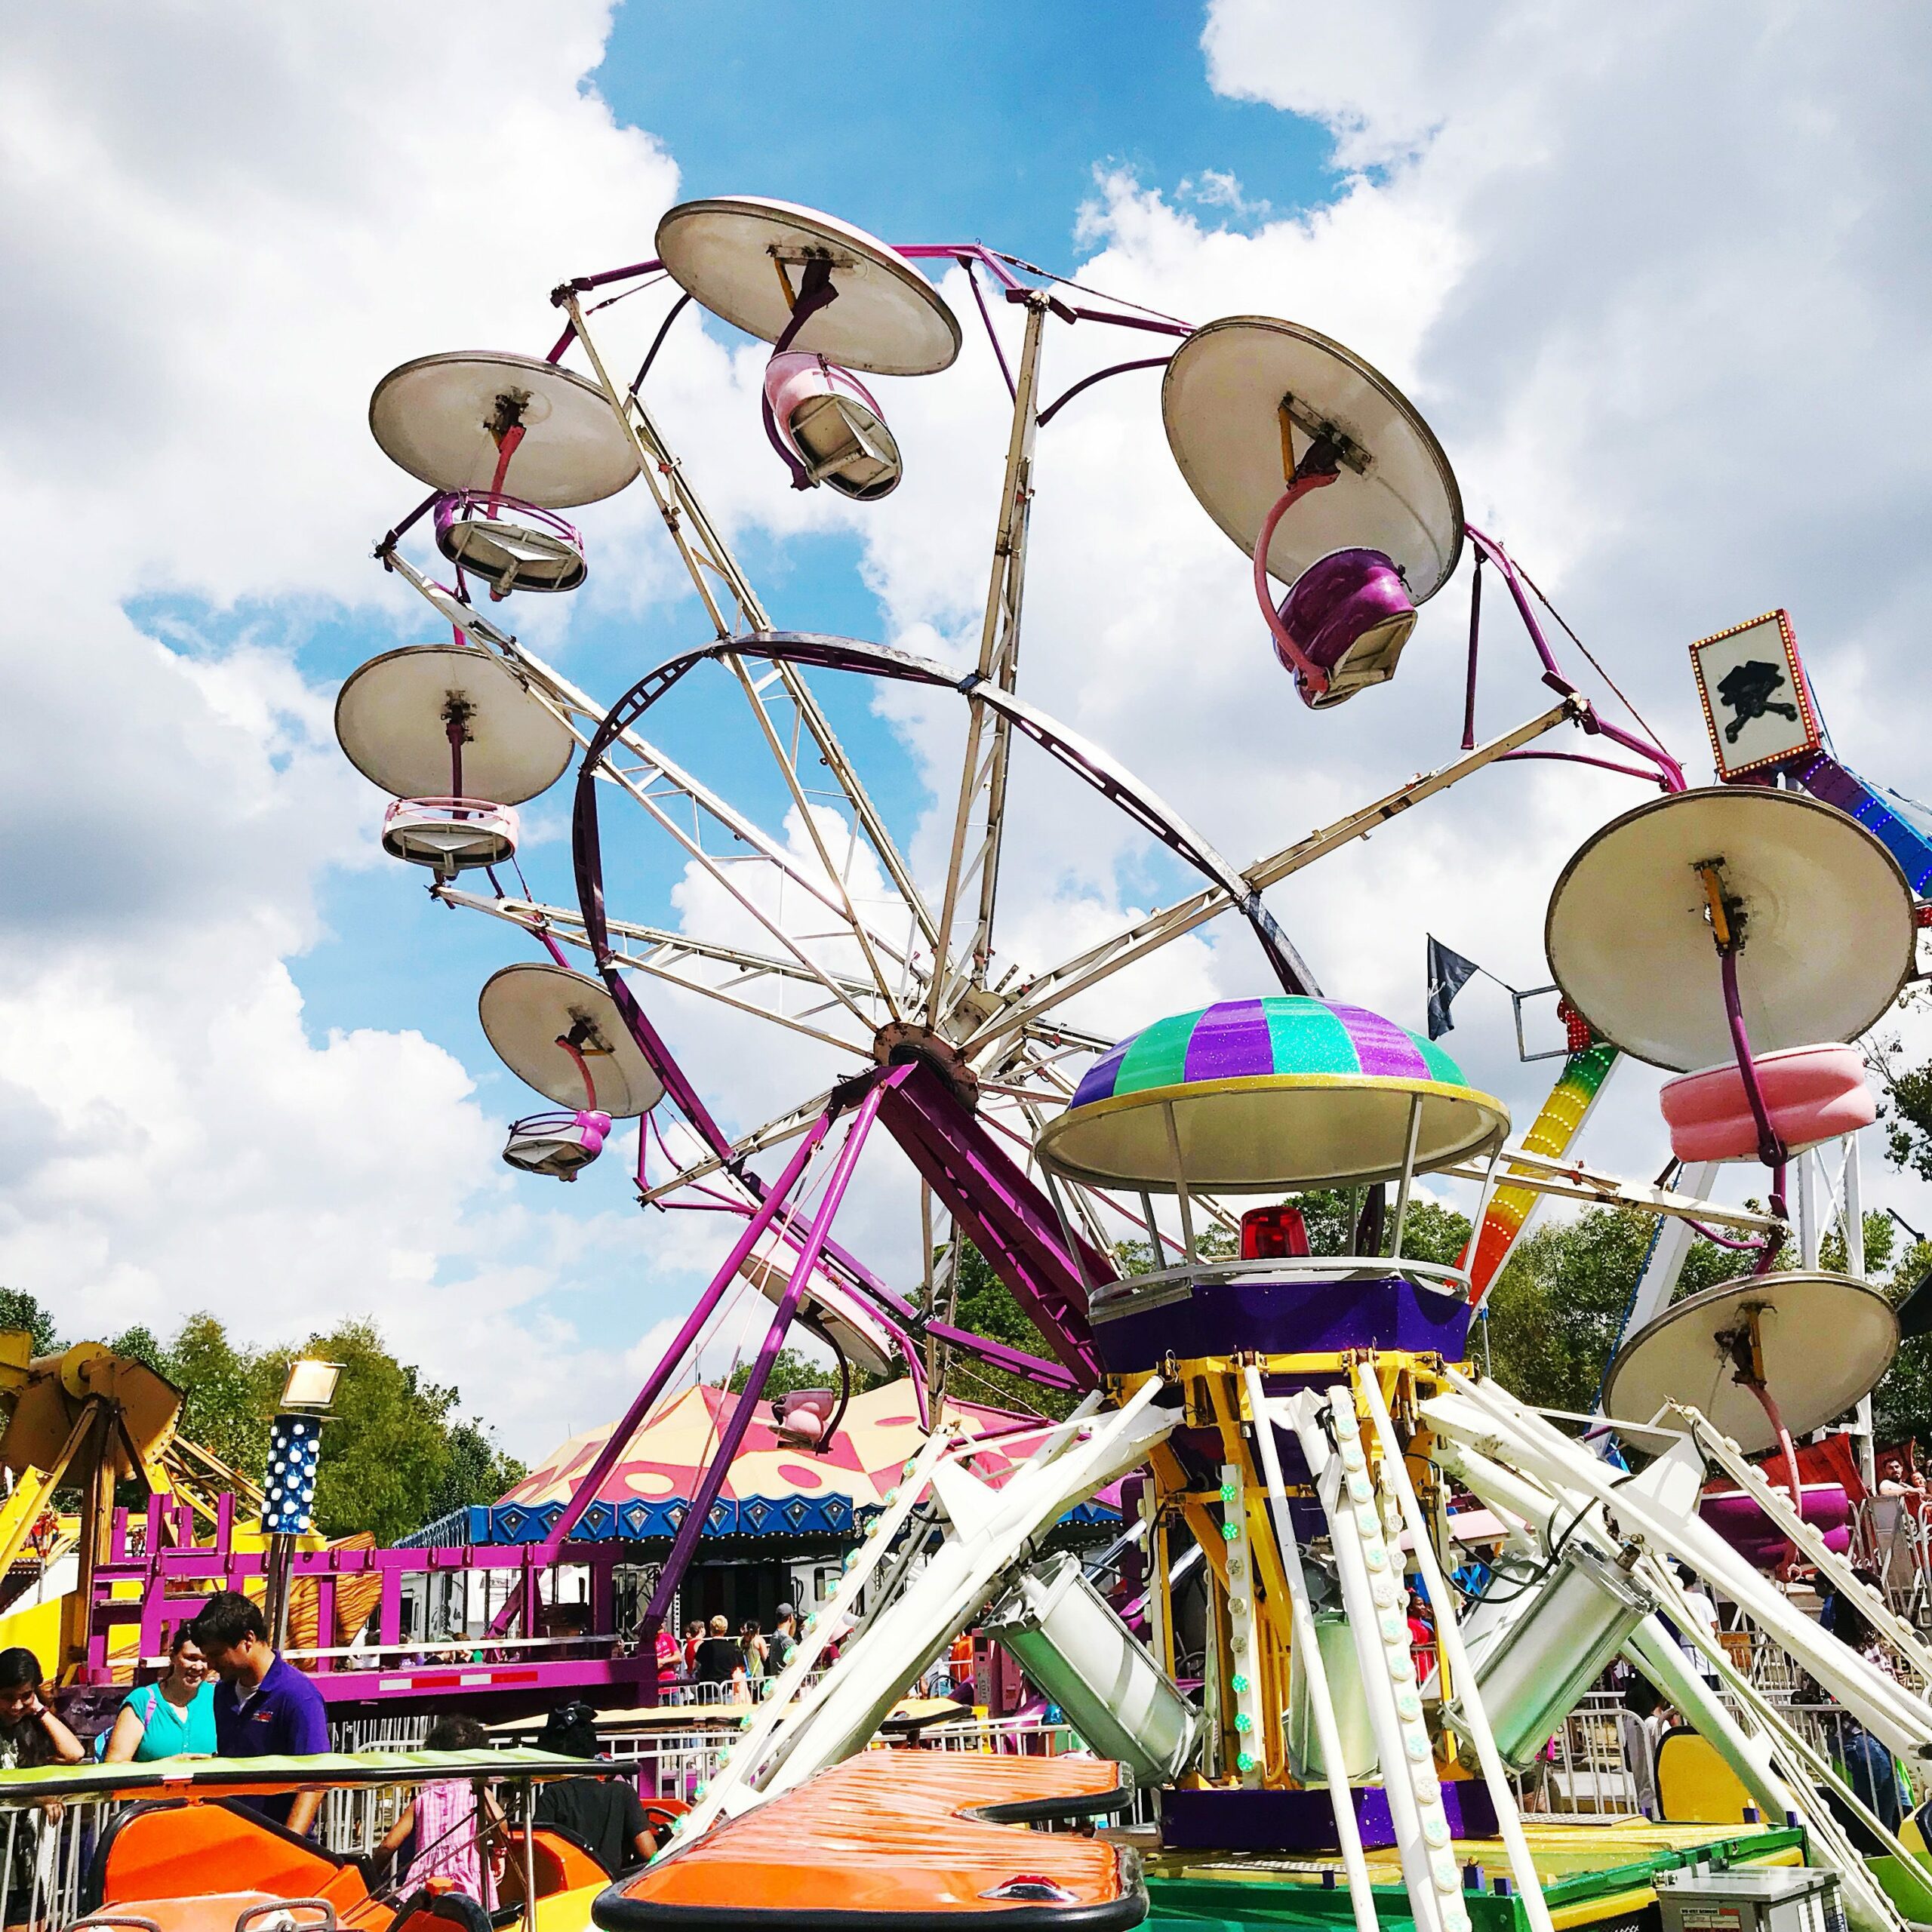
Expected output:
(528, 549)
(562, 1034)
(450, 835)
(828, 421)
(1812, 1094)
(1364, 524)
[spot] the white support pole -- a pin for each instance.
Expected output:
(1651, 1649)
(1371, 1591)
(1395, 1475)
(1668, 1255)
(1879, 1702)
(1307, 1648)
(1244, 1634)
(1810, 1223)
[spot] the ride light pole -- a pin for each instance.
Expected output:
(289, 1488)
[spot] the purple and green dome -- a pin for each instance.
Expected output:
(1264, 1094)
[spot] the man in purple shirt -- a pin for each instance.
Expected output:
(264, 1707)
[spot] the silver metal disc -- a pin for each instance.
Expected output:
(1220, 400)
(391, 720)
(1829, 936)
(1827, 1339)
(524, 1008)
(865, 1346)
(889, 320)
(434, 416)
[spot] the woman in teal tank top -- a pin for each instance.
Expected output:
(172, 1718)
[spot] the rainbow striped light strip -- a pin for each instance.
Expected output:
(1561, 1119)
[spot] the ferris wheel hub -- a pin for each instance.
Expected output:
(902, 1040)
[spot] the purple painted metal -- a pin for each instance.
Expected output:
(986, 316)
(732, 1433)
(1476, 634)
(1087, 762)
(962, 253)
(1654, 776)
(1060, 402)
(594, 1478)
(1552, 675)
(1771, 1148)
(1003, 1214)
(996, 1355)
(581, 284)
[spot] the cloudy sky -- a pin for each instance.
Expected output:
(1656, 275)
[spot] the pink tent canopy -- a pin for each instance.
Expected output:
(773, 1488)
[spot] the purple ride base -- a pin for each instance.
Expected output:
(1308, 1317)
(1304, 1821)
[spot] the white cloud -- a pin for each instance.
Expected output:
(1656, 278)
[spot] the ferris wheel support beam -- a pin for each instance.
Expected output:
(685, 516)
(983, 774)
(997, 1206)
(1122, 949)
(573, 708)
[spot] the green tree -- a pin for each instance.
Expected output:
(984, 1305)
(19, 1310)
(792, 1369)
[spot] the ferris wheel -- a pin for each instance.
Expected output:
(1321, 472)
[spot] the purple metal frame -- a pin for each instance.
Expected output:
(1670, 773)
(170, 1577)
(1086, 761)
(732, 1433)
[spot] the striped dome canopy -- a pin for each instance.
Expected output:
(1255, 1094)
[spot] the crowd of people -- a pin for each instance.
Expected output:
(227, 1692)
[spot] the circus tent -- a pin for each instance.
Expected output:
(774, 1488)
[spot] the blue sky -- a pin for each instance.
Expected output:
(1011, 130)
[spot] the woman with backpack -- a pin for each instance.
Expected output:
(174, 1717)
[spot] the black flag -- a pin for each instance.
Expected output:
(1448, 974)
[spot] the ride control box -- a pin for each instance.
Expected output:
(1759, 1898)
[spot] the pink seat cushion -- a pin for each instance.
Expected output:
(1813, 1094)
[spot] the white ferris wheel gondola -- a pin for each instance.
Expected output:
(485, 421)
(744, 257)
(1324, 474)
(459, 741)
(1823, 916)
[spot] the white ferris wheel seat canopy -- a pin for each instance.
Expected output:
(1828, 932)
(391, 722)
(1827, 1339)
(727, 252)
(525, 1008)
(438, 417)
(864, 1344)
(1220, 400)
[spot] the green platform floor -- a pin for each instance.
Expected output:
(1594, 1874)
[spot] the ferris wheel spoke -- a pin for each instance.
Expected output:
(659, 784)
(702, 546)
(787, 762)
(674, 959)
(774, 1132)
(1134, 943)
(983, 773)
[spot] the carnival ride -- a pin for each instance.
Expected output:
(1304, 1416)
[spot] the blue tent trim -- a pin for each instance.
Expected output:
(637, 1520)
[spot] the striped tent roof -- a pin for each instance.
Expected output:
(1286, 1034)
(773, 1489)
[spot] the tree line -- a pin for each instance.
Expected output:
(398, 1453)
